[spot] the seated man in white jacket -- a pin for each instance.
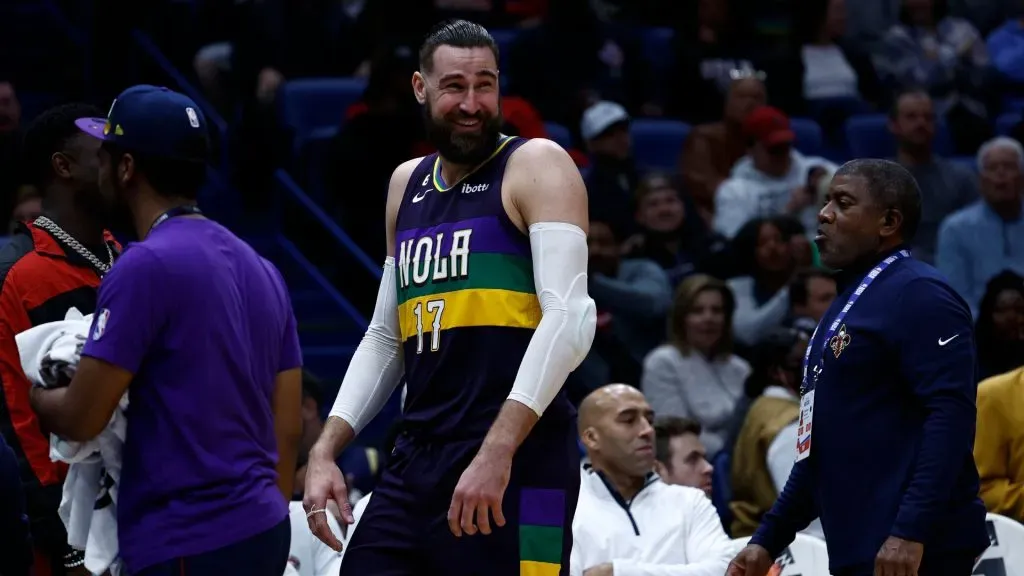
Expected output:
(628, 522)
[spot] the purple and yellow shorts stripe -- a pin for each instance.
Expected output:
(541, 531)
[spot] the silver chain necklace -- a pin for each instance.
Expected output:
(59, 233)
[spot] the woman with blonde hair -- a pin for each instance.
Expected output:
(695, 374)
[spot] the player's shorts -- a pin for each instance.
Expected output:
(404, 529)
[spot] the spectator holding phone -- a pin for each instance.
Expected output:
(773, 179)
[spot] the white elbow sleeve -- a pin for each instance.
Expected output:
(376, 366)
(566, 330)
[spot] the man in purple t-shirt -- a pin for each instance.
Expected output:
(199, 330)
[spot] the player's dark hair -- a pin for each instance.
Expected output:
(48, 134)
(798, 287)
(891, 187)
(169, 177)
(458, 34)
(665, 429)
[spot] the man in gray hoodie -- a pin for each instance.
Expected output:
(773, 179)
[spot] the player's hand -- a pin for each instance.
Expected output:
(479, 492)
(605, 569)
(899, 557)
(753, 560)
(324, 482)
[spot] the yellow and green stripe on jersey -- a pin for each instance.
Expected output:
(472, 273)
(541, 531)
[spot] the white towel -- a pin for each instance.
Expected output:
(88, 507)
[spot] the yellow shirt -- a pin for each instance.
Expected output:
(999, 444)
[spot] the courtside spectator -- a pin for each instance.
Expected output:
(680, 456)
(670, 527)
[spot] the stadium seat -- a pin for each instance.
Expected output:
(806, 556)
(505, 39)
(35, 103)
(969, 162)
(809, 140)
(658, 49)
(1006, 122)
(1014, 104)
(1005, 555)
(868, 137)
(307, 104)
(657, 143)
(559, 134)
(314, 156)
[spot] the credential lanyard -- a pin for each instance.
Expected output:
(838, 321)
(176, 211)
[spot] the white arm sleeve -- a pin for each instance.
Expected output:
(377, 366)
(566, 329)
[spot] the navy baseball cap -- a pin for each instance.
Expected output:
(155, 121)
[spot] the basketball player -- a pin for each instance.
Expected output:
(483, 308)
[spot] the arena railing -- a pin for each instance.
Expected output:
(286, 186)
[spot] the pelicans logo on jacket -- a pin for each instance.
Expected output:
(840, 341)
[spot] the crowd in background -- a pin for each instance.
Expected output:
(705, 277)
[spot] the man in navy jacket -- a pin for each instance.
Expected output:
(890, 387)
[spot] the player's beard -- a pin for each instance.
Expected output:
(466, 148)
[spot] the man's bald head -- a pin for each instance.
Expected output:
(617, 430)
(603, 400)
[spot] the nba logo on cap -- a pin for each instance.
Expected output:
(193, 118)
(101, 323)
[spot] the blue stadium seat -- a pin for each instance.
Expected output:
(310, 103)
(658, 49)
(721, 487)
(809, 140)
(657, 143)
(35, 103)
(559, 134)
(505, 39)
(1013, 104)
(1006, 122)
(969, 162)
(868, 137)
(314, 156)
